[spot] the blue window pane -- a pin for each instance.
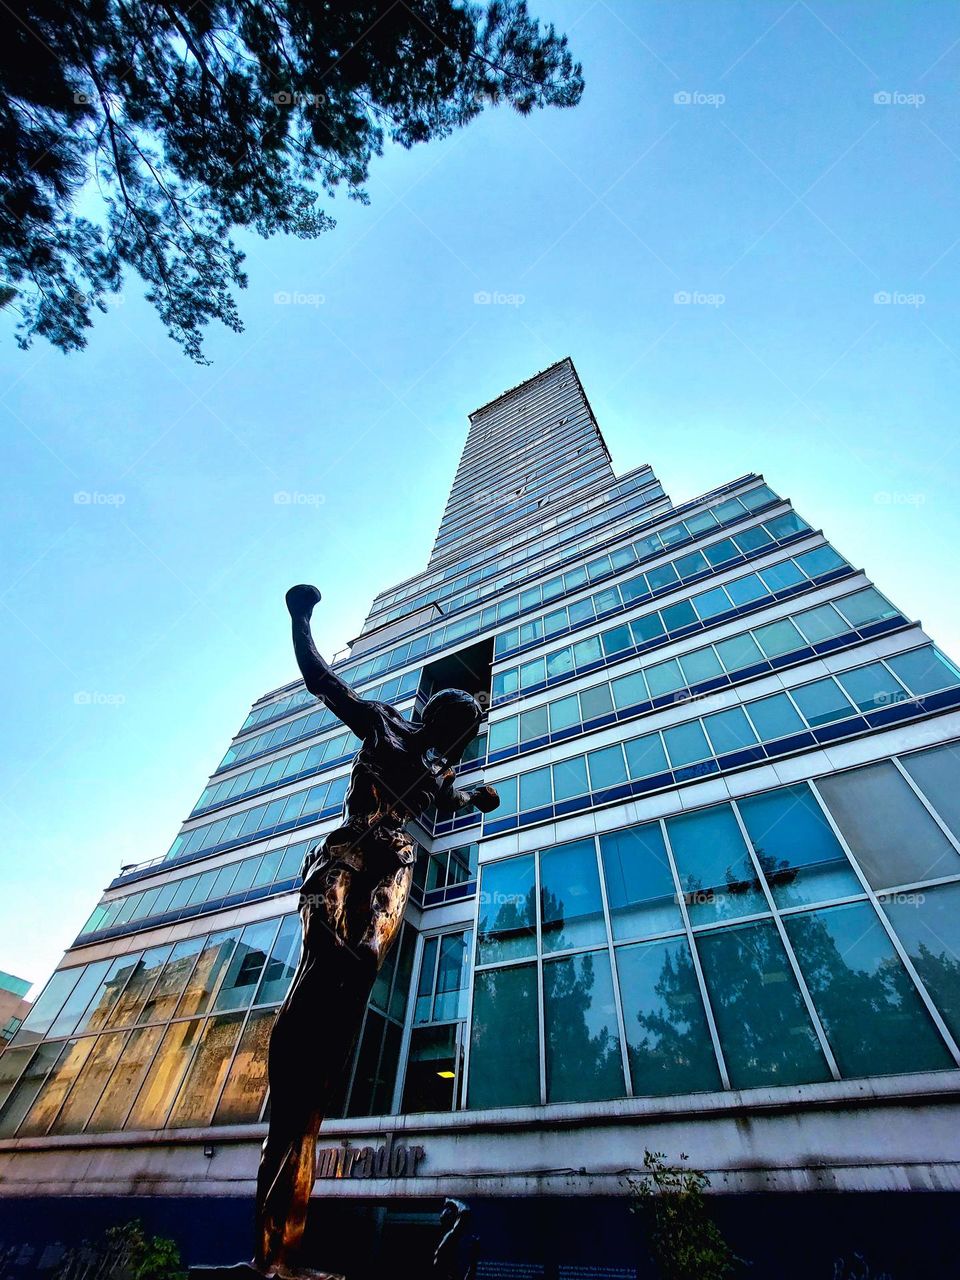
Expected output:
(570, 778)
(822, 701)
(571, 909)
(780, 576)
(871, 687)
(533, 724)
(774, 717)
(710, 603)
(641, 893)
(503, 733)
(678, 615)
(668, 1039)
(616, 640)
(729, 730)
(866, 606)
(738, 652)
(506, 924)
(606, 767)
(507, 791)
(645, 756)
(765, 1032)
(924, 670)
(587, 651)
(629, 691)
(821, 623)
(873, 1016)
(702, 664)
(753, 539)
(505, 683)
(720, 552)
(687, 566)
(665, 677)
(745, 590)
(532, 673)
(795, 845)
(596, 702)
(582, 1039)
(505, 1030)
(778, 638)
(559, 663)
(564, 713)
(534, 789)
(645, 629)
(686, 743)
(928, 925)
(716, 874)
(820, 560)
(664, 575)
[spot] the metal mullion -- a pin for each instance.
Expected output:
(468, 1021)
(614, 973)
(698, 969)
(541, 1017)
(63, 1100)
(226, 1075)
(925, 802)
(126, 1037)
(801, 981)
(711, 926)
(847, 900)
(39, 1045)
(891, 933)
(407, 1033)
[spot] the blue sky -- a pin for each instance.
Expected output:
(782, 197)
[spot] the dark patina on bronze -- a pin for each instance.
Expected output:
(355, 888)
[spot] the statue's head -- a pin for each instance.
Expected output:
(450, 722)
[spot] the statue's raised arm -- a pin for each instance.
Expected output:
(319, 677)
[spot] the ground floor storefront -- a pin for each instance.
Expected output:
(833, 1236)
(847, 1180)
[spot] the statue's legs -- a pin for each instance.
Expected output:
(350, 921)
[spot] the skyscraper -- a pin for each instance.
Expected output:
(717, 911)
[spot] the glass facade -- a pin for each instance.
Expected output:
(727, 855)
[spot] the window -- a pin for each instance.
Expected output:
(506, 924)
(822, 702)
(607, 768)
(668, 1039)
(928, 925)
(582, 1040)
(664, 677)
(686, 743)
(924, 670)
(778, 638)
(800, 856)
(699, 666)
(775, 717)
(729, 730)
(640, 889)
(766, 1035)
(871, 1011)
(504, 1040)
(716, 874)
(892, 835)
(937, 773)
(871, 686)
(571, 911)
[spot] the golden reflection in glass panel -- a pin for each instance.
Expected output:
(111, 1111)
(57, 1086)
(163, 998)
(105, 996)
(85, 1094)
(163, 1079)
(125, 1011)
(246, 1085)
(211, 963)
(201, 1086)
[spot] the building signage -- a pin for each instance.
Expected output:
(392, 1160)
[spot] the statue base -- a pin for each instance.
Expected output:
(247, 1271)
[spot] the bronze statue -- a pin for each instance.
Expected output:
(355, 888)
